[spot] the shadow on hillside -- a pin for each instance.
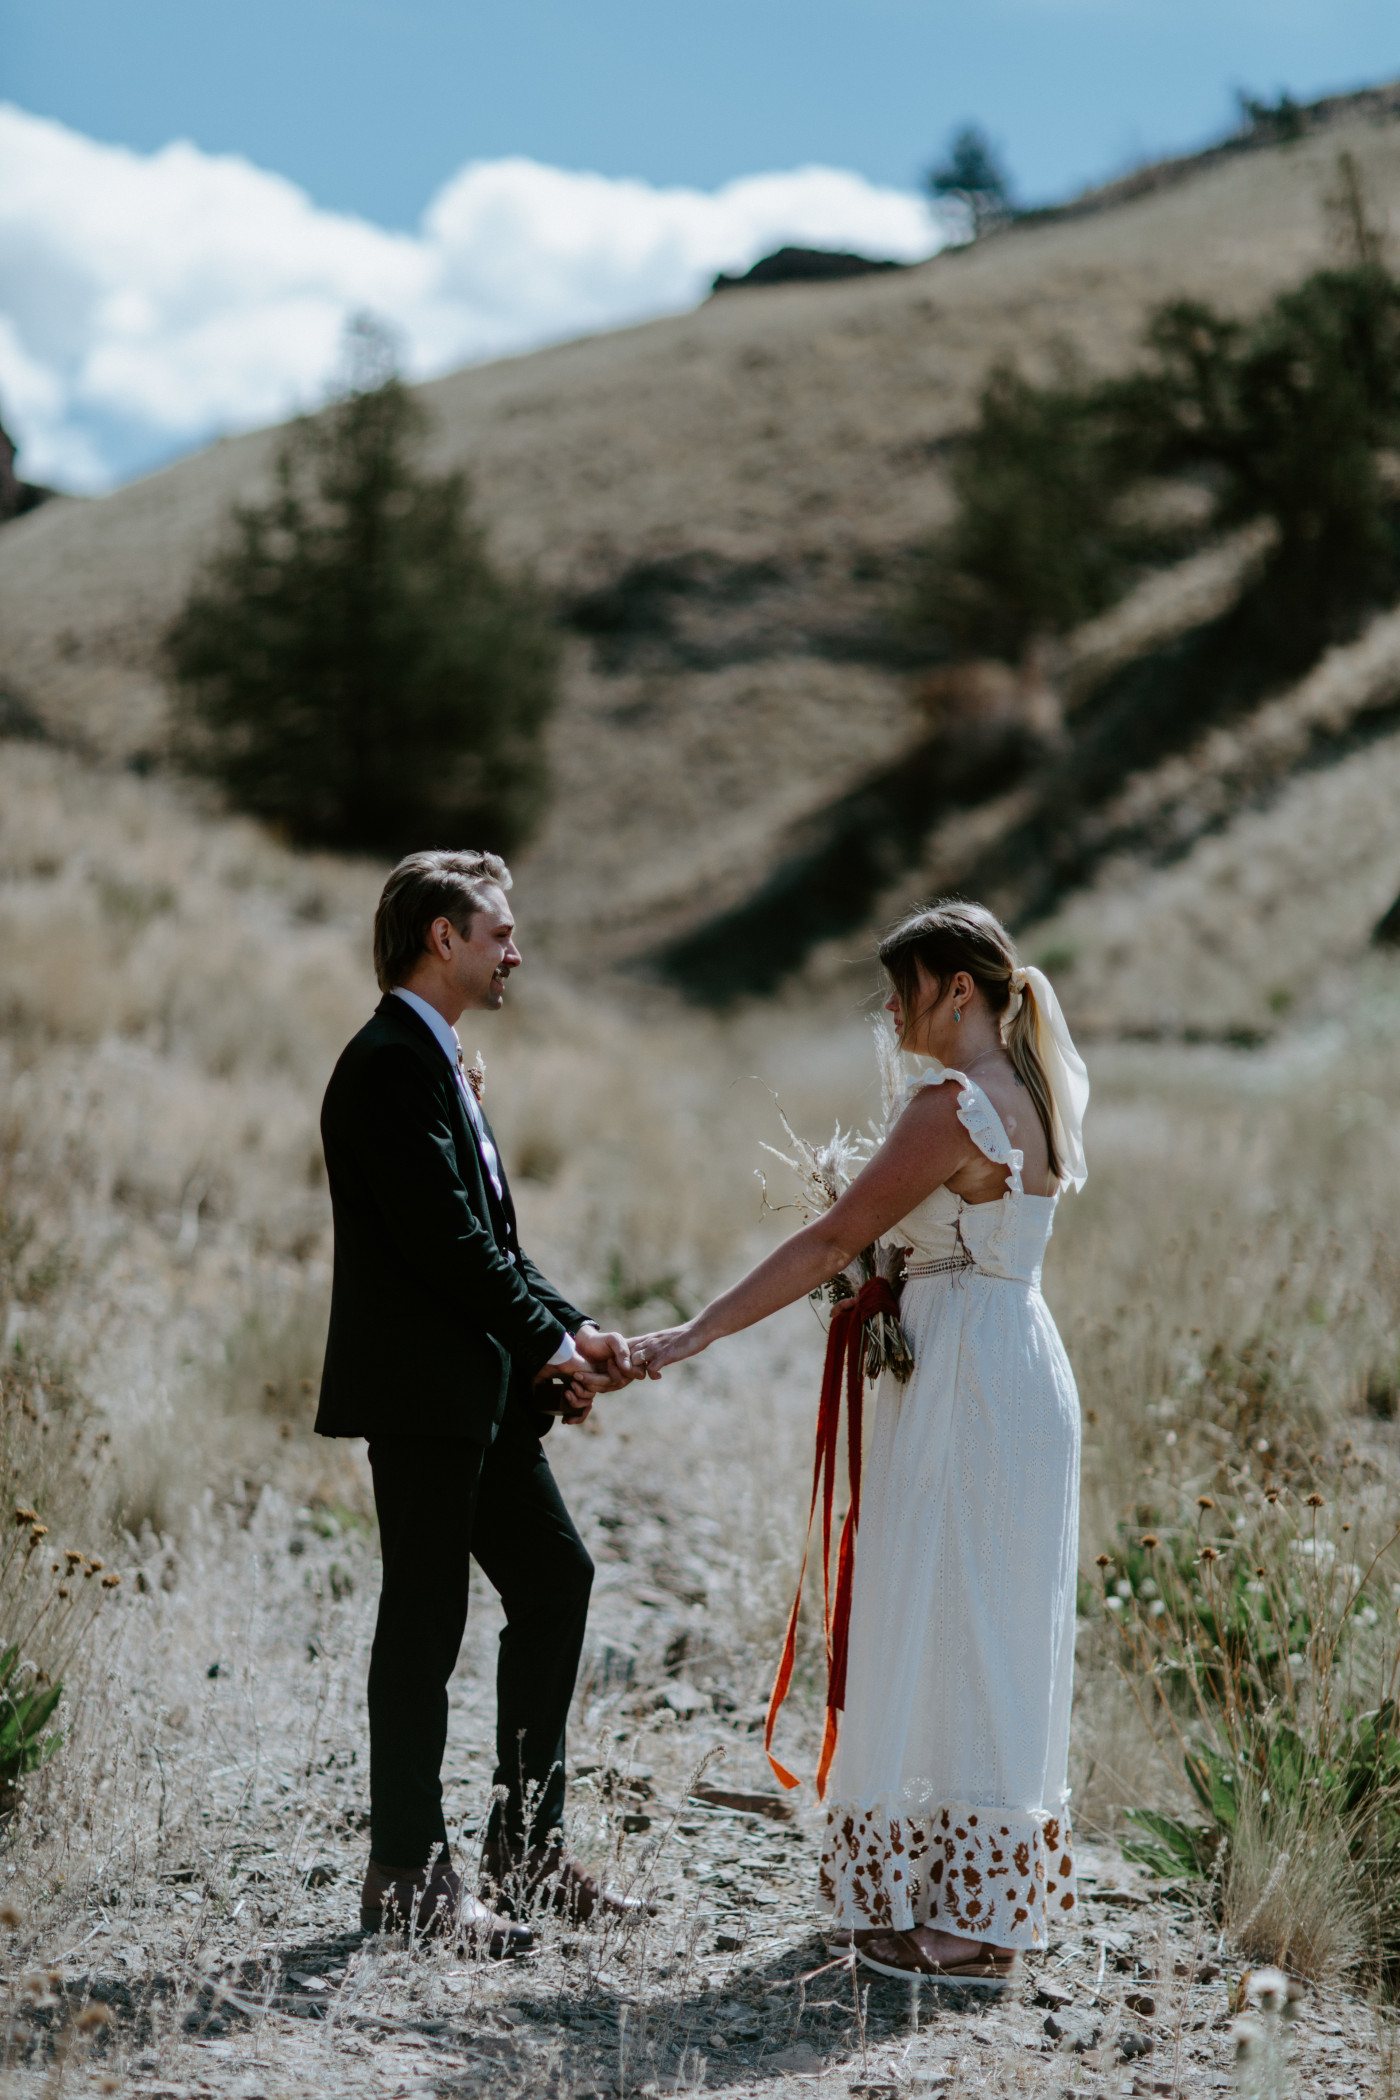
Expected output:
(836, 867)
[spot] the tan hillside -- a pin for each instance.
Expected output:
(733, 492)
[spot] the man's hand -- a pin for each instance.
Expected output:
(603, 1365)
(570, 1392)
(607, 1357)
(577, 1405)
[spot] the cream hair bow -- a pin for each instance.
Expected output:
(1064, 1069)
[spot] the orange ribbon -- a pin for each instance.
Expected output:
(845, 1345)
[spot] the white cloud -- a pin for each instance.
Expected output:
(150, 301)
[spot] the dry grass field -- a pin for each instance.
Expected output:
(180, 1884)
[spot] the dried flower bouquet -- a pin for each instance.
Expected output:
(824, 1173)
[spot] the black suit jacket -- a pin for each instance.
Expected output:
(432, 1328)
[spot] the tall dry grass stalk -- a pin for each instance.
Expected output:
(1291, 1893)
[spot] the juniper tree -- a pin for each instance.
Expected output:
(972, 176)
(1293, 416)
(350, 664)
(1289, 417)
(1033, 548)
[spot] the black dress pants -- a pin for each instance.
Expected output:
(441, 1500)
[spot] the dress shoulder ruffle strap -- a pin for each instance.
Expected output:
(981, 1122)
(988, 1133)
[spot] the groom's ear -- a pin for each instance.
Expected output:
(437, 940)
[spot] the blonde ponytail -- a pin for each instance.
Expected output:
(1019, 1034)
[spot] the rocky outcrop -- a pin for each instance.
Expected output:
(16, 496)
(804, 266)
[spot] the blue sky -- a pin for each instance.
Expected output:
(370, 105)
(195, 195)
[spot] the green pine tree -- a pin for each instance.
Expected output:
(1293, 416)
(350, 665)
(1034, 548)
(972, 176)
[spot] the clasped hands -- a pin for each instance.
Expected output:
(606, 1368)
(611, 1362)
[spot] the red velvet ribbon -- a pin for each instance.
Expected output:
(845, 1346)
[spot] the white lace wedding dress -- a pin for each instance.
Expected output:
(948, 1802)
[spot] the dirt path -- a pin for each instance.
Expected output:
(200, 1936)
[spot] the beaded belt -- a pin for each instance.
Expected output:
(951, 1266)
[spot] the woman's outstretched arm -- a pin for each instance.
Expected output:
(926, 1146)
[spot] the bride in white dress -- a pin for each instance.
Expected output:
(947, 1845)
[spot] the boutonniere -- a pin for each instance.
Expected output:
(476, 1077)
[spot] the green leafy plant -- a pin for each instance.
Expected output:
(1253, 1643)
(351, 665)
(24, 1719)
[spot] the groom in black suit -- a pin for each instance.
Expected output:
(452, 1353)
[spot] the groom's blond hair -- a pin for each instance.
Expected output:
(443, 883)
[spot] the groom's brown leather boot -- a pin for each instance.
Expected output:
(545, 1878)
(434, 1904)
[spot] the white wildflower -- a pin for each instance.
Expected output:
(1268, 1989)
(1248, 2038)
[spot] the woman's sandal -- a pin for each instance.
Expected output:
(988, 1970)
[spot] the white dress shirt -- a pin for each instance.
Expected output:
(447, 1039)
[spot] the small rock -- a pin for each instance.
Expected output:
(319, 1876)
(1141, 2002)
(1134, 2044)
(1074, 2030)
(728, 1942)
(631, 1779)
(684, 1699)
(771, 1805)
(201, 2023)
(636, 1823)
(1054, 1995)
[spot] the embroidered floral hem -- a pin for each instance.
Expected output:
(989, 1873)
